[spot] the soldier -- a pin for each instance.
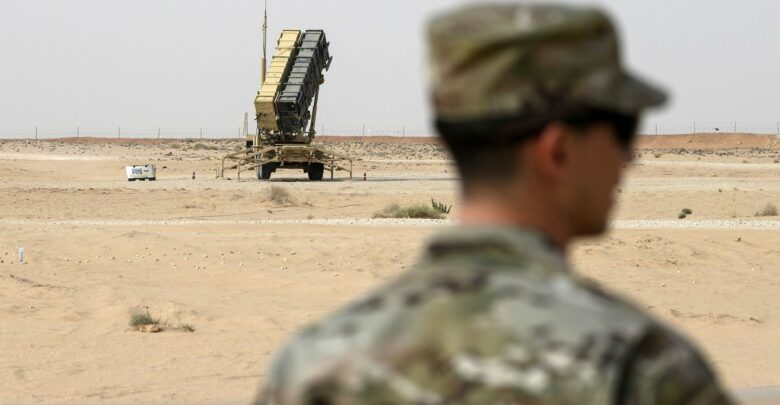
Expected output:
(540, 115)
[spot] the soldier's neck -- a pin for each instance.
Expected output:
(518, 212)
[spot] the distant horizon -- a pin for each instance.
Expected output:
(376, 136)
(691, 128)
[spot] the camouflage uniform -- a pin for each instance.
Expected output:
(491, 314)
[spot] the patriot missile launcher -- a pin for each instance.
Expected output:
(286, 110)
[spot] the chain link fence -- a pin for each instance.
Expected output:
(120, 132)
(712, 127)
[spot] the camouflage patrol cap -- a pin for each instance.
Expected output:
(528, 60)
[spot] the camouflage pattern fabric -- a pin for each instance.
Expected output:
(489, 316)
(529, 60)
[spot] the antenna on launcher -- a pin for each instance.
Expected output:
(265, 32)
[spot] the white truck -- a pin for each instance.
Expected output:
(141, 172)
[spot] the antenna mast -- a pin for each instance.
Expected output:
(265, 31)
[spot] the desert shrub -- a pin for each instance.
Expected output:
(388, 212)
(200, 146)
(279, 195)
(440, 207)
(687, 211)
(139, 319)
(769, 210)
(186, 327)
(657, 155)
(681, 216)
(415, 211)
(420, 211)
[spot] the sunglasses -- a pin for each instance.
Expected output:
(625, 126)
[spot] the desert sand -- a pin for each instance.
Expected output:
(222, 258)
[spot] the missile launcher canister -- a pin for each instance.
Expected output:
(286, 112)
(291, 86)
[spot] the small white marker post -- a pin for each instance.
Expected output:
(21, 255)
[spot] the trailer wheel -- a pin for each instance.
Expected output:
(316, 170)
(264, 171)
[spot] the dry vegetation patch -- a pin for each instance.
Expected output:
(414, 212)
(769, 210)
(280, 195)
(143, 321)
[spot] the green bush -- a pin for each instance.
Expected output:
(139, 319)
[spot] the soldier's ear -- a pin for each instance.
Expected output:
(551, 151)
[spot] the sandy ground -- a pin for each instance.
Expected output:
(244, 271)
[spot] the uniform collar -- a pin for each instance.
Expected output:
(508, 243)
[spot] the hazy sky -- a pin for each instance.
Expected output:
(192, 63)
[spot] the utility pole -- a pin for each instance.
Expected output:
(118, 132)
(694, 127)
(735, 127)
(246, 124)
(36, 133)
(78, 131)
(201, 132)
